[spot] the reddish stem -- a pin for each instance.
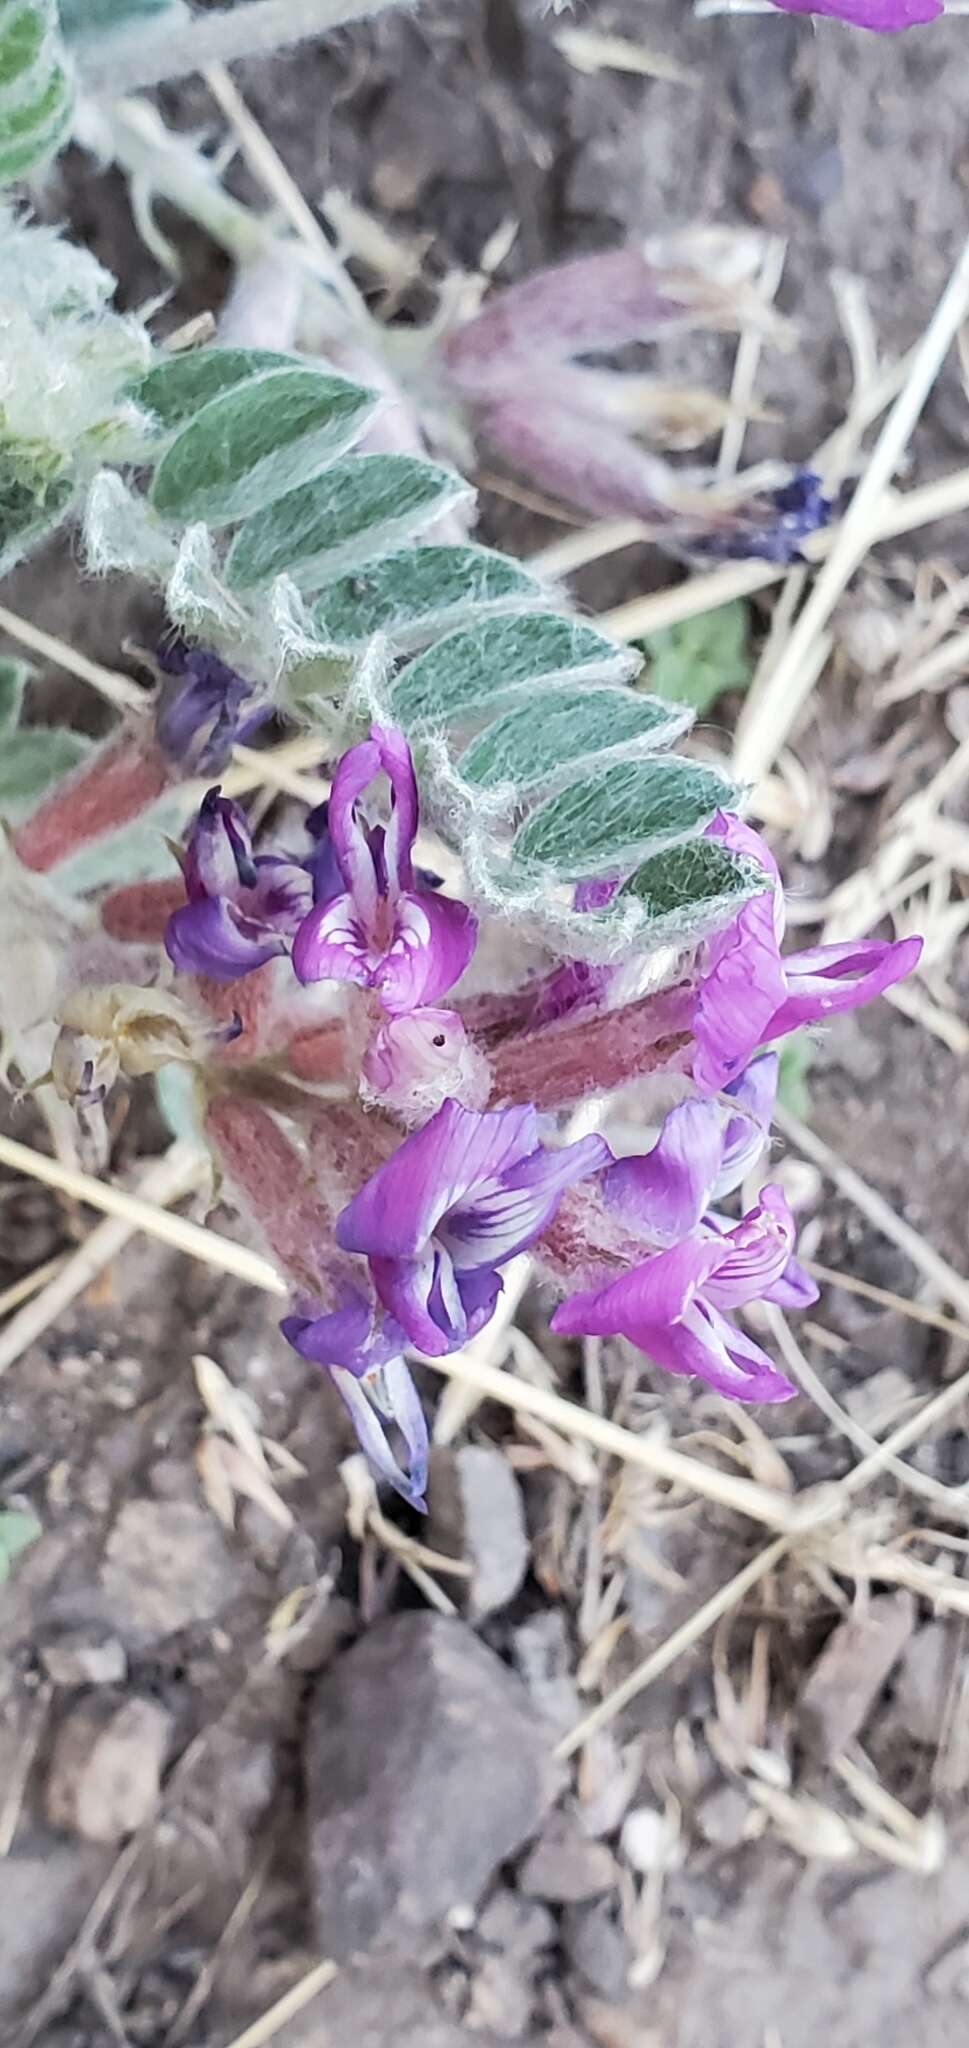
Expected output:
(115, 785)
(596, 1052)
(139, 911)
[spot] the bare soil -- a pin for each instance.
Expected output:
(759, 1931)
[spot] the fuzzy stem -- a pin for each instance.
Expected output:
(592, 1054)
(120, 65)
(138, 912)
(115, 785)
(272, 1183)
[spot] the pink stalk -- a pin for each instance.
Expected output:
(591, 1054)
(274, 1186)
(114, 786)
(139, 911)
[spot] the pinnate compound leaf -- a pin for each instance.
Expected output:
(356, 511)
(17, 1532)
(257, 440)
(696, 661)
(479, 665)
(690, 890)
(413, 596)
(23, 33)
(607, 821)
(179, 386)
(80, 18)
(35, 110)
(527, 747)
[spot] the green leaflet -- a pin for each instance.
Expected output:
(37, 120)
(691, 890)
(177, 388)
(33, 759)
(695, 662)
(414, 596)
(257, 440)
(17, 1532)
(22, 37)
(357, 510)
(480, 665)
(527, 749)
(602, 822)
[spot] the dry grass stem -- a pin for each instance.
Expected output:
(22, 1289)
(886, 1298)
(769, 713)
(115, 688)
(747, 363)
(181, 1169)
(590, 52)
(265, 2029)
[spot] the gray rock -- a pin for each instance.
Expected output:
(922, 1681)
(852, 1668)
(723, 1816)
(166, 1567)
(501, 1998)
(476, 1513)
(597, 1947)
(425, 1769)
(105, 1772)
(544, 1660)
(566, 1868)
(84, 1656)
(46, 1887)
(520, 1925)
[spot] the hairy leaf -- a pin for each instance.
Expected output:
(694, 662)
(608, 820)
(480, 665)
(81, 18)
(414, 596)
(22, 36)
(33, 127)
(178, 387)
(356, 511)
(526, 747)
(691, 889)
(255, 441)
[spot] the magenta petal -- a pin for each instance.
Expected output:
(754, 1252)
(394, 1394)
(739, 996)
(501, 1219)
(825, 980)
(434, 938)
(398, 766)
(435, 1169)
(738, 1367)
(351, 845)
(210, 936)
(654, 1294)
(666, 1191)
(330, 945)
(794, 1289)
(218, 858)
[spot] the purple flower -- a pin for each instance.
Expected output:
(362, 1352)
(884, 16)
(241, 910)
(386, 930)
(455, 1202)
(672, 1305)
(750, 995)
(414, 1062)
(770, 528)
(202, 715)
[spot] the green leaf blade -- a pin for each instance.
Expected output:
(256, 442)
(475, 667)
(179, 386)
(528, 748)
(606, 821)
(696, 661)
(31, 761)
(413, 596)
(691, 890)
(356, 511)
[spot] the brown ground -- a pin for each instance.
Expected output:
(443, 124)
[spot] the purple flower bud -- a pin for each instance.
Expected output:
(242, 909)
(203, 713)
(415, 1062)
(361, 1352)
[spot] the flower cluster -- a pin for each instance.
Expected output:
(397, 1207)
